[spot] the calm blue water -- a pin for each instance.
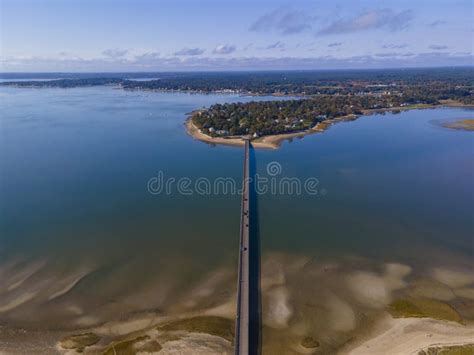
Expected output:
(75, 165)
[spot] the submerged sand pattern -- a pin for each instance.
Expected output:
(308, 305)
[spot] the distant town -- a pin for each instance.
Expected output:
(311, 97)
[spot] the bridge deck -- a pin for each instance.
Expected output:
(243, 314)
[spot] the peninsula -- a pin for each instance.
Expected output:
(269, 123)
(305, 101)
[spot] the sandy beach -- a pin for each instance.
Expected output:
(266, 142)
(275, 141)
(412, 336)
(193, 131)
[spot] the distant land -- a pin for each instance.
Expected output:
(318, 96)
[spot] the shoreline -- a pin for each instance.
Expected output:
(229, 92)
(275, 141)
(265, 142)
(344, 319)
(392, 336)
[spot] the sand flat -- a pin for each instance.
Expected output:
(411, 335)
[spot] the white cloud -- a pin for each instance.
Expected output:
(224, 49)
(189, 51)
(284, 21)
(153, 62)
(376, 19)
(277, 45)
(115, 52)
(436, 23)
(395, 46)
(438, 47)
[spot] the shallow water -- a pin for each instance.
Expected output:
(82, 238)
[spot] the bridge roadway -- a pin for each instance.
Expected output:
(243, 299)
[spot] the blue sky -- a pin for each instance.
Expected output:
(146, 35)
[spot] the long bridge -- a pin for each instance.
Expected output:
(242, 322)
